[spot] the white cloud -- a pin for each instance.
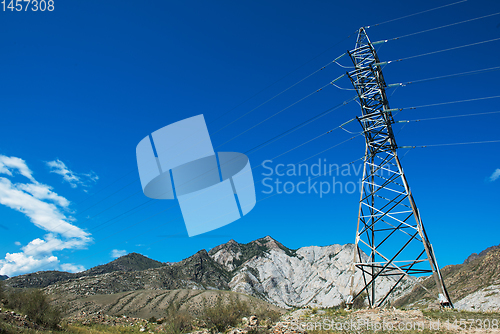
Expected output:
(74, 179)
(37, 255)
(52, 243)
(118, 253)
(7, 164)
(495, 175)
(17, 243)
(60, 168)
(21, 263)
(43, 214)
(42, 191)
(46, 210)
(72, 268)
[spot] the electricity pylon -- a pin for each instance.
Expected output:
(390, 237)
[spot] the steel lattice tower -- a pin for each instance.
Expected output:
(390, 239)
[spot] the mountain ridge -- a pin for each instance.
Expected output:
(262, 268)
(42, 279)
(314, 276)
(474, 256)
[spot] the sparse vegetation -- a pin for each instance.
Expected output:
(2, 292)
(176, 320)
(336, 311)
(267, 315)
(359, 302)
(34, 304)
(224, 313)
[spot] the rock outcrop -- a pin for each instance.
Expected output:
(313, 276)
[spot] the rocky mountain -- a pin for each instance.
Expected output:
(39, 279)
(313, 276)
(3, 277)
(128, 263)
(474, 256)
(264, 268)
(198, 272)
(473, 285)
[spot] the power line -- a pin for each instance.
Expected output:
(253, 149)
(350, 163)
(422, 12)
(279, 112)
(294, 148)
(323, 67)
(301, 125)
(444, 50)
(275, 114)
(335, 61)
(109, 184)
(323, 114)
(107, 197)
(451, 102)
(280, 136)
(296, 128)
(275, 96)
(102, 225)
(445, 117)
(437, 28)
(307, 62)
(219, 145)
(179, 218)
(310, 158)
(453, 144)
(486, 70)
(274, 139)
(235, 121)
(263, 199)
(74, 226)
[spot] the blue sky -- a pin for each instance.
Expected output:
(82, 85)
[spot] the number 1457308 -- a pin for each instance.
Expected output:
(25, 5)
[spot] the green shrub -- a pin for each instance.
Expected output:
(35, 304)
(176, 320)
(342, 305)
(265, 314)
(2, 291)
(222, 315)
(359, 302)
(258, 331)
